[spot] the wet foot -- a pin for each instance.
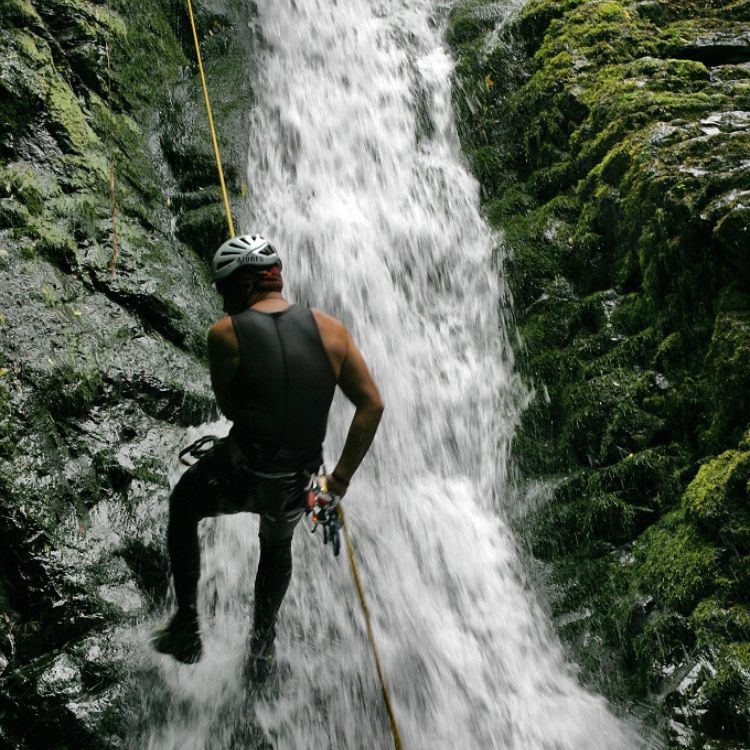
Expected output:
(180, 639)
(261, 660)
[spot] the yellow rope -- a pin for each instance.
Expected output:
(217, 155)
(347, 538)
(370, 634)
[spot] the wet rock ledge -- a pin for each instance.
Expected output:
(611, 141)
(107, 212)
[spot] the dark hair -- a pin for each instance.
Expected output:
(246, 281)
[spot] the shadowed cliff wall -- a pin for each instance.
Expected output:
(103, 315)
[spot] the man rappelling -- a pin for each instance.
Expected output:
(274, 369)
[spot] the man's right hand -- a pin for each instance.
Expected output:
(336, 486)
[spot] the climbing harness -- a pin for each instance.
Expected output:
(323, 511)
(197, 448)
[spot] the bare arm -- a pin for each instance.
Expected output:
(359, 387)
(223, 362)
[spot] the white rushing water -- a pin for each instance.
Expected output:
(355, 174)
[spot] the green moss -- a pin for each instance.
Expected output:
(712, 621)
(646, 478)
(593, 510)
(587, 522)
(726, 693)
(719, 498)
(670, 354)
(675, 563)
(621, 352)
(108, 471)
(466, 24)
(8, 425)
(537, 242)
(69, 392)
(533, 440)
(537, 15)
(147, 43)
(68, 122)
(53, 241)
(20, 13)
(610, 157)
(20, 182)
(606, 419)
(728, 380)
(661, 640)
(203, 229)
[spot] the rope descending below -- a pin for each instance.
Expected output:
(370, 634)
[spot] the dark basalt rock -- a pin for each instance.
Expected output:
(730, 46)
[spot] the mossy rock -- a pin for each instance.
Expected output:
(67, 391)
(675, 563)
(605, 419)
(467, 22)
(101, 365)
(536, 16)
(724, 699)
(715, 622)
(617, 352)
(609, 506)
(537, 242)
(662, 642)
(203, 229)
(534, 438)
(610, 158)
(9, 428)
(719, 498)
(728, 380)
(593, 522)
(648, 478)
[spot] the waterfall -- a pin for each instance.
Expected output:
(355, 174)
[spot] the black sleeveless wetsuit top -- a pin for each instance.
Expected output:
(285, 385)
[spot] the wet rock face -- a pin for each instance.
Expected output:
(610, 140)
(103, 315)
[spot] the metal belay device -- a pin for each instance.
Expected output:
(323, 511)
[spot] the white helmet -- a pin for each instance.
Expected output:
(245, 250)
